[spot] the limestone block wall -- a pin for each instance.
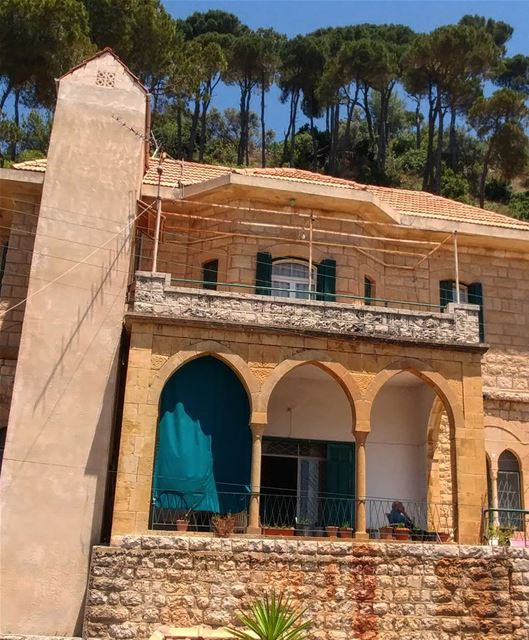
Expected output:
(350, 590)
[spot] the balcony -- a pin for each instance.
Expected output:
(456, 325)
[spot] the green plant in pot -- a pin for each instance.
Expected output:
(274, 617)
(345, 530)
(401, 531)
(499, 535)
(302, 527)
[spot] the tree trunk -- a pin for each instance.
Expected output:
(452, 140)
(439, 150)
(369, 119)
(179, 129)
(240, 146)
(382, 133)
(17, 122)
(314, 163)
(350, 114)
(263, 128)
(483, 178)
(293, 131)
(193, 130)
(5, 95)
(418, 125)
(203, 125)
(428, 165)
(247, 128)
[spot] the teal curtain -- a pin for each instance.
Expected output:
(326, 280)
(475, 296)
(263, 273)
(203, 449)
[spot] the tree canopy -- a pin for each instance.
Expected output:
(444, 111)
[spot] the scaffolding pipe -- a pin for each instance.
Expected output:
(456, 259)
(158, 221)
(310, 257)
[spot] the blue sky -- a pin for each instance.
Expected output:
(293, 17)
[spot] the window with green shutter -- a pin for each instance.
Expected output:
(263, 273)
(326, 280)
(475, 296)
(369, 290)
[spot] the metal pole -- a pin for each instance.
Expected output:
(310, 256)
(158, 222)
(456, 258)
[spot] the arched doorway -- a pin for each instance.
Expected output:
(308, 454)
(203, 445)
(408, 456)
(509, 490)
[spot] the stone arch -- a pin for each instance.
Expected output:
(425, 372)
(324, 361)
(197, 350)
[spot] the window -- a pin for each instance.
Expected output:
(369, 290)
(290, 279)
(471, 294)
(210, 273)
(509, 493)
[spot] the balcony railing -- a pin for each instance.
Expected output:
(287, 513)
(155, 295)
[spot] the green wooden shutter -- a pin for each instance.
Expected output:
(263, 273)
(446, 292)
(210, 273)
(368, 290)
(339, 505)
(326, 280)
(475, 296)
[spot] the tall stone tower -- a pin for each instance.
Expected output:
(56, 458)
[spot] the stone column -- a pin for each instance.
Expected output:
(360, 446)
(494, 487)
(257, 440)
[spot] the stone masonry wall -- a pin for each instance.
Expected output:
(350, 590)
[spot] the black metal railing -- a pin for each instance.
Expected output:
(506, 527)
(303, 513)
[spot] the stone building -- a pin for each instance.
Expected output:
(181, 340)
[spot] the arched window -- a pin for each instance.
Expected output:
(290, 279)
(509, 489)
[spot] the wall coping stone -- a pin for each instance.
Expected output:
(154, 295)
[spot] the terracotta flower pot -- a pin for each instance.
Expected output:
(443, 536)
(332, 531)
(345, 532)
(181, 525)
(278, 531)
(386, 533)
(402, 533)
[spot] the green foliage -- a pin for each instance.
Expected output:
(455, 186)
(498, 190)
(272, 618)
(519, 205)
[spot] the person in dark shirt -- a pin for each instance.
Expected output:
(398, 515)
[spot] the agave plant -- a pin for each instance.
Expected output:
(272, 618)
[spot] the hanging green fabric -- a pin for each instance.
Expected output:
(446, 292)
(475, 296)
(263, 274)
(340, 484)
(203, 450)
(326, 280)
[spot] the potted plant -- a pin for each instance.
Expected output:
(401, 531)
(331, 530)
(346, 531)
(223, 525)
(271, 618)
(182, 520)
(302, 527)
(443, 536)
(499, 535)
(386, 533)
(278, 530)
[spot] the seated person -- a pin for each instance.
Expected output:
(398, 515)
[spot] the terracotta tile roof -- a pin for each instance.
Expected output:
(416, 203)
